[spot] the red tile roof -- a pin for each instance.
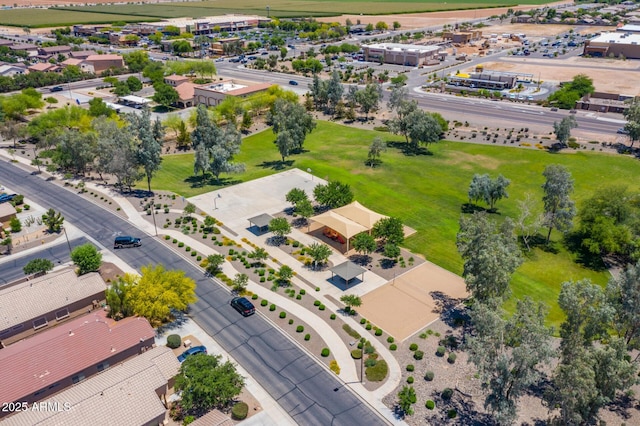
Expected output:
(46, 358)
(185, 91)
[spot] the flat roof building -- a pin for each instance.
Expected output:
(46, 300)
(400, 54)
(213, 94)
(40, 366)
(614, 44)
(130, 393)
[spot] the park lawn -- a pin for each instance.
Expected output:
(427, 191)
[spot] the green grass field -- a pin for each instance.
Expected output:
(278, 8)
(428, 191)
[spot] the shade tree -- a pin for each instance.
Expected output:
(319, 253)
(389, 230)
(334, 194)
(559, 209)
(489, 190)
(290, 123)
(87, 258)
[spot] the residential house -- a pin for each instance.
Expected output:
(9, 70)
(31, 49)
(7, 212)
(45, 301)
(81, 54)
(134, 392)
(53, 51)
(43, 67)
(36, 368)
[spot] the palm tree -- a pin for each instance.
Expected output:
(53, 220)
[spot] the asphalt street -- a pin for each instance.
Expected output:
(300, 385)
(59, 253)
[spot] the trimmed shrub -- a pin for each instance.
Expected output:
(430, 405)
(379, 332)
(452, 358)
(240, 411)
(428, 376)
(283, 314)
(325, 352)
(290, 321)
(299, 329)
(254, 297)
(393, 347)
(363, 321)
(180, 244)
(356, 353)
(303, 292)
(418, 355)
(413, 347)
(167, 237)
(410, 379)
(440, 351)
(368, 326)
(452, 414)
(272, 307)
(410, 367)
(333, 316)
(298, 297)
(322, 307)
(264, 302)
(187, 248)
(447, 393)
(307, 337)
(317, 288)
(316, 303)
(174, 341)
(377, 372)
(390, 339)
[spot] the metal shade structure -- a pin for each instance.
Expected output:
(261, 221)
(348, 271)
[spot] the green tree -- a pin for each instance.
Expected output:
(181, 47)
(134, 84)
(214, 262)
(259, 255)
(334, 194)
(87, 258)
(563, 129)
(365, 244)
(154, 71)
(632, 126)
(508, 353)
(559, 209)
(75, 150)
(423, 129)
(490, 254)
(389, 230)
(290, 123)
(377, 147)
(319, 253)
(623, 295)
(183, 140)
(489, 190)
(280, 227)
(406, 398)
(116, 152)
(15, 224)
(295, 195)
(350, 301)
(97, 108)
(53, 220)
(157, 291)
(369, 98)
(117, 296)
(38, 266)
(164, 94)
(285, 273)
(240, 282)
(136, 60)
(205, 383)
(189, 209)
(304, 209)
(335, 89)
(391, 250)
(150, 137)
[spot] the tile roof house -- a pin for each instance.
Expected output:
(184, 87)
(7, 212)
(46, 300)
(130, 393)
(43, 67)
(49, 362)
(9, 70)
(72, 61)
(54, 50)
(81, 54)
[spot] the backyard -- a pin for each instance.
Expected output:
(428, 191)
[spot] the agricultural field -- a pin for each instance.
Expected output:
(39, 18)
(278, 8)
(428, 191)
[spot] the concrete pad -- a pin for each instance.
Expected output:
(413, 300)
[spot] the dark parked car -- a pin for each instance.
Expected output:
(126, 241)
(242, 305)
(293, 82)
(622, 131)
(56, 89)
(5, 198)
(192, 351)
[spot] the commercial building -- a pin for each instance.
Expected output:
(209, 24)
(131, 393)
(604, 102)
(213, 94)
(400, 54)
(616, 44)
(49, 362)
(101, 63)
(462, 37)
(41, 302)
(492, 80)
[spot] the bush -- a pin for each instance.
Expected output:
(447, 393)
(316, 303)
(363, 321)
(452, 358)
(333, 316)
(390, 339)
(174, 341)
(167, 237)
(368, 326)
(264, 302)
(303, 292)
(393, 347)
(180, 244)
(377, 372)
(299, 329)
(356, 353)
(322, 307)
(452, 414)
(290, 321)
(283, 314)
(175, 240)
(307, 337)
(187, 248)
(379, 332)
(240, 411)
(440, 351)
(410, 379)
(413, 347)
(410, 367)
(430, 405)
(418, 355)
(325, 352)
(254, 297)
(428, 376)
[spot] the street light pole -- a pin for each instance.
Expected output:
(153, 214)
(215, 201)
(65, 235)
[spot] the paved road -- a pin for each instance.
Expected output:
(59, 253)
(302, 387)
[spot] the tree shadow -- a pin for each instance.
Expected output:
(387, 263)
(621, 406)
(471, 208)
(360, 259)
(276, 241)
(408, 150)
(180, 318)
(467, 413)
(299, 222)
(276, 165)
(573, 243)
(210, 180)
